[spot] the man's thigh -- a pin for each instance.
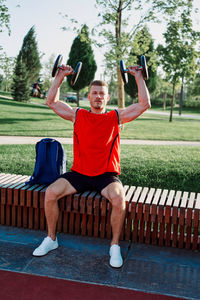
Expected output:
(62, 187)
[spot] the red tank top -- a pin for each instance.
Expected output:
(96, 143)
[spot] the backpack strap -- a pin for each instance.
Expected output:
(54, 156)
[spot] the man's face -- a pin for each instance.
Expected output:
(98, 97)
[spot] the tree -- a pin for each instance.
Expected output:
(30, 55)
(178, 56)
(4, 17)
(142, 45)
(162, 91)
(47, 70)
(7, 66)
(20, 87)
(27, 65)
(118, 40)
(195, 86)
(81, 50)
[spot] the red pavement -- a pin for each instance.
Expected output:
(19, 286)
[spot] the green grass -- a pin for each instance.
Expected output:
(169, 167)
(185, 110)
(158, 127)
(30, 119)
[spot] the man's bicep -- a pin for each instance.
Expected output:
(64, 110)
(130, 113)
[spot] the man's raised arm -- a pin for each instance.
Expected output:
(135, 110)
(60, 108)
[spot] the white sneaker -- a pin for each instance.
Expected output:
(47, 245)
(116, 260)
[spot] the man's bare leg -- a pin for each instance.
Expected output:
(114, 192)
(54, 192)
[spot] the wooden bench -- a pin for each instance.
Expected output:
(153, 216)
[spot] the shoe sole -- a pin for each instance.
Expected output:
(115, 267)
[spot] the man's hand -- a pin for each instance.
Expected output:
(64, 70)
(135, 71)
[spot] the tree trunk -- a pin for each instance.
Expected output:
(78, 96)
(121, 102)
(181, 99)
(172, 103)
(118, 43)
(164, 100)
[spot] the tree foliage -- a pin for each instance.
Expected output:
(118, 31)
(142, 45)
(27, 64)
(20, 87)
(195, 86)
(4, 17)
(7, 66)
(30, 55)
(47, 70)
(178, 56)
(81, 50)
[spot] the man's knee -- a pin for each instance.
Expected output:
(51, 193)
(118, 200)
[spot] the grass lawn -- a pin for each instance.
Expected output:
(169, 167)
(30, 119)
(194, 110)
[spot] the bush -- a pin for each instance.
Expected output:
(192, 102)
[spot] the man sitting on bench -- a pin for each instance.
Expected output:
(96, 164)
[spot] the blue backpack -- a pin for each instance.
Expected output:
(50, 162)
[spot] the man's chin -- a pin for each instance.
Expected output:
(98, 106)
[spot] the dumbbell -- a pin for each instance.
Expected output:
(57, 66)
(143, 67)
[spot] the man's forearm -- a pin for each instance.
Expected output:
(143, 93)
(54, 92)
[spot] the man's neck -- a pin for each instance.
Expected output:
(98, 111)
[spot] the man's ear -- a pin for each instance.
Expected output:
(89, 96)
(108, 97)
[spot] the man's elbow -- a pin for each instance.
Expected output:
(147, 104)
(48, 102)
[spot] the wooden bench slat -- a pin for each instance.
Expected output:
(130, 193)
(197, 204)
(170, 198)
(191, 201)
(9, 179)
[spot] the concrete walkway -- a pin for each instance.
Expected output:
(147, 268)
(5, 140)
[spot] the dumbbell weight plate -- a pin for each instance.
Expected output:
(56, 65)
(144, 68)
(76, 73)
(123, 71)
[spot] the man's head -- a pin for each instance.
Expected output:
(98, 96)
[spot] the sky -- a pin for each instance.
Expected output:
(46, 16)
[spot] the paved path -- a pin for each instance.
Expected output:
(160, 272)
(32, 140)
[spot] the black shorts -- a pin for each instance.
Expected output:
(84, 183)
